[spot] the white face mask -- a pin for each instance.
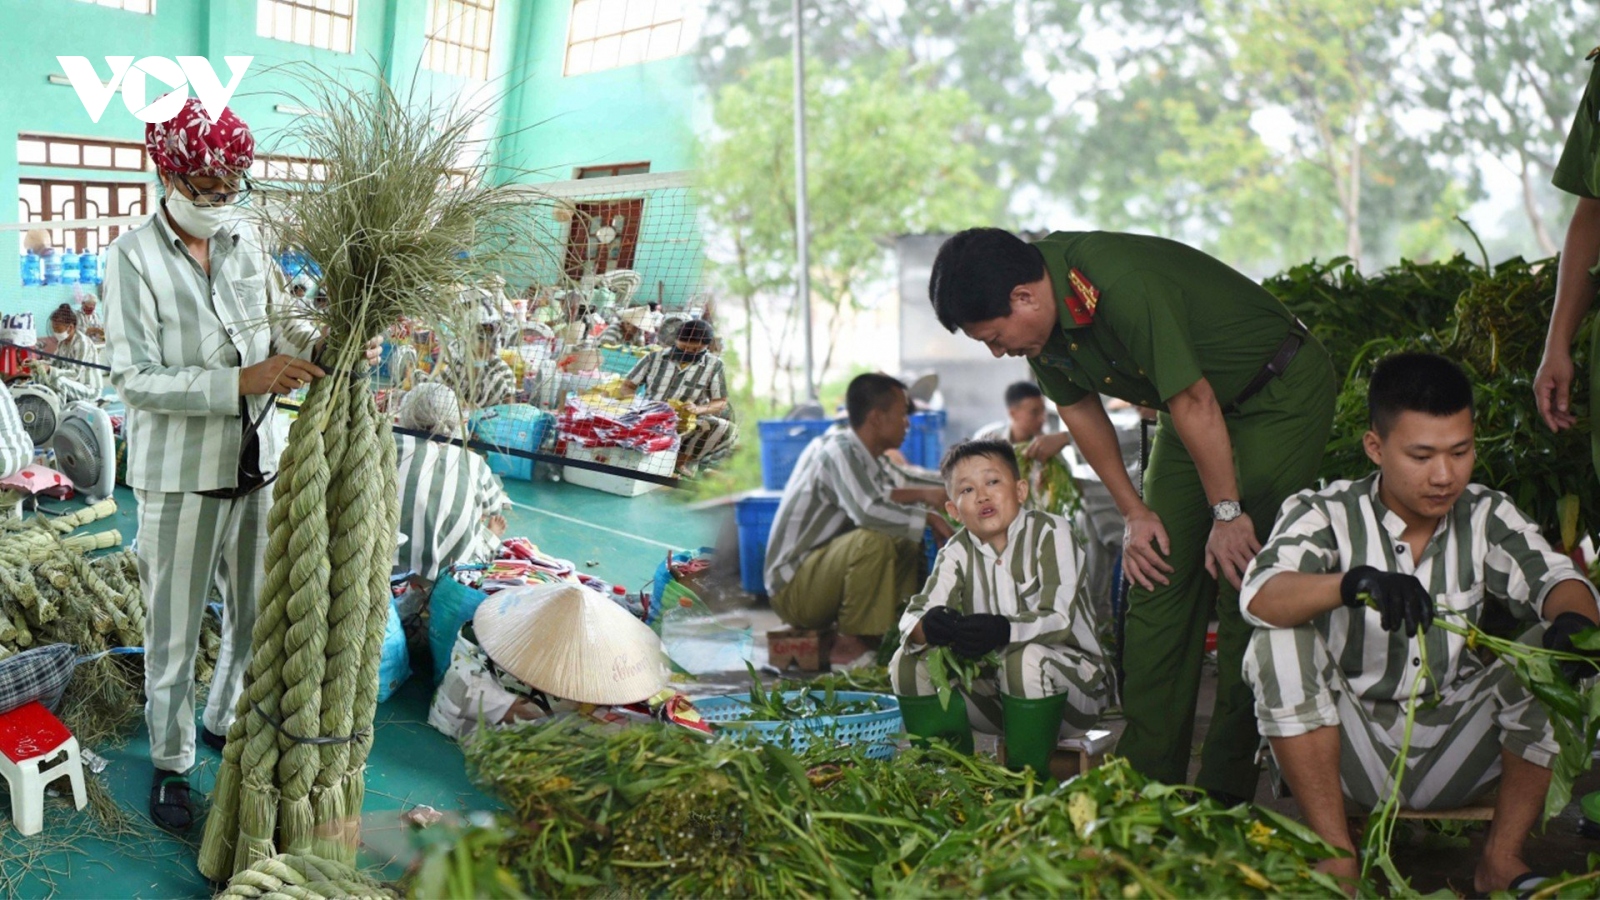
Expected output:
(61, 335)
(200, 221)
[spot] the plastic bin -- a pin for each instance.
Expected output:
(782, 442)
(514, 426)
(874, 731)
(754, 515)
(924, 443)
(619, 360)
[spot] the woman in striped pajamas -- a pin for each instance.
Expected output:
(1343, 594)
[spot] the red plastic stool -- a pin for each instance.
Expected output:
(36, 749)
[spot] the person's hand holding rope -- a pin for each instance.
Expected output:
(279, 375)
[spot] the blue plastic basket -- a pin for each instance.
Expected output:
(924, 443)
(782, 442)
(514, 426)
(619, 360)
(754, 516)
(875, 731)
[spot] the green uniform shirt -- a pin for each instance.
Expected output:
(1168, 316)
(1576, 171)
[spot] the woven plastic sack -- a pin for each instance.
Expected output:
(395, 665)
(450, 607)
(38, 674)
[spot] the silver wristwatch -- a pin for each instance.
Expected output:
(1226, 511)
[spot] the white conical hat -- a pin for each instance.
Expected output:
(572, 643)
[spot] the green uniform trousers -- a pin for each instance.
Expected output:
(856, 582)
(1278, 438)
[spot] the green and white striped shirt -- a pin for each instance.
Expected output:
(445, 493)
(1036, 582)
(837, 485)
(1483, 546)
(16, 448)
(77, 382)
(178, 340)
(702, 381)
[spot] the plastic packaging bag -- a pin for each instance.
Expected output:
(394, 667)
(452, 605)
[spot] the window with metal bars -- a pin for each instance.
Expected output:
(329, 24)
(77, 153)
(138, 6)
(50, 200)
(604, 236)
(460, 33)
(609, 34)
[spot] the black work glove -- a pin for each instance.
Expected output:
(1559, 637)
(939, 626)
(1402, 601)
(980, 633)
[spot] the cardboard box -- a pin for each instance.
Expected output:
(658, 463)
(807, 650)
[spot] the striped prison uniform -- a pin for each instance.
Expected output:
(1342, 669)
(76, 382)
(1036, 582)
(613, 336)
(178, 339)
(486, 383)
(700, 382)
(446, 491)
(840, 550)
(16, 448)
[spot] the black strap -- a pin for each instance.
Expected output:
(1275, 366)
(316, 741)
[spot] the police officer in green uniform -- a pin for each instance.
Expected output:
(1577, 172)
(1246, 404)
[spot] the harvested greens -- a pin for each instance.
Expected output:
(780, 705)
(654, 810)
(949, 670)
(1051, 487)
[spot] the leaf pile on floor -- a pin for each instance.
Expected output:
(660, 811)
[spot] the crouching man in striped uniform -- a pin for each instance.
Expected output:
(691, 374)
(1342, 596)
(1009, 582)
(450, 503)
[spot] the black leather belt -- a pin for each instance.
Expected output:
(1275, 366)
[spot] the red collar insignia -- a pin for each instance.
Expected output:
(1082, 299)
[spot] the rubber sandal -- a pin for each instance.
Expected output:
(169, 802)
(213, 740)
(1527, 884)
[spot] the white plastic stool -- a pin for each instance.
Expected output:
(36, 749)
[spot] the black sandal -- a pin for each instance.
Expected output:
(169, 802)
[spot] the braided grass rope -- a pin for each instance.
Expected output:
(291, 875)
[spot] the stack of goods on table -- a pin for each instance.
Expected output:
(636, 434)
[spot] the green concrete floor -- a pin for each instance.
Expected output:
(410, 764)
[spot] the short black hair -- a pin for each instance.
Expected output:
(1020, 391)
(994, 449)
(868, 392)
(975, 272)
(1415, 382)
(697, 330)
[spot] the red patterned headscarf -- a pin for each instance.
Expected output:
(189, 143)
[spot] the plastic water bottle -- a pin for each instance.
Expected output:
(52, 267)
(88, 269)
(69, 268)
(31, 274)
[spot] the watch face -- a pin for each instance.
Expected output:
(1226, 511)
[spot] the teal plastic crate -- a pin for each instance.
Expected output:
(619, 360)
(874, 731)
(513, 426)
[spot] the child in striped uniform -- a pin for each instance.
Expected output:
(693, 375)
(450, 503)
(1009, 582)
(1343, 594)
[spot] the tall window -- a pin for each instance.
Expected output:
(55, 199)
(328, 24)
(138, 6)
(46, 200)
(459, 32)
(613, 171)
(608, 34)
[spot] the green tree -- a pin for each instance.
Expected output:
(889, 154)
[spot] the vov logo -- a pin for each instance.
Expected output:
(132, 79)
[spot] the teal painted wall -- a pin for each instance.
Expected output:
(543, 124)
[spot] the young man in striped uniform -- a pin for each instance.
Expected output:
(628, 330)
(450, 503)
(846, 545)
(1009, 582)
(197, 354)
(1344, 591)
(691, 374)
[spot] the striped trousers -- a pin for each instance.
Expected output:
(1455, 746)
(186, 545)
(1029, 671)
(712, 437)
